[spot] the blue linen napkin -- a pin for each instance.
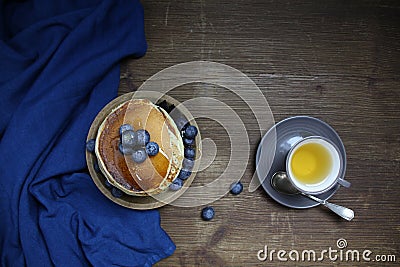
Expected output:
(59, 65)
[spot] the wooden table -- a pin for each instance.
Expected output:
(335, 60)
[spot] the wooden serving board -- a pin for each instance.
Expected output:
(139, 202)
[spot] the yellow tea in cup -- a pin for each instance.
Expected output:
(311, 163)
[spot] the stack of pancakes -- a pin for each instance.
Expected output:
(156, 173)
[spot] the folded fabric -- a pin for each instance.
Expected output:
(59, 65)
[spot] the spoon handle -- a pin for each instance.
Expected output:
(343, 212)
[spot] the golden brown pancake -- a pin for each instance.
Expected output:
(156, 173)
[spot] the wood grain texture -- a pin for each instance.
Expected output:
(335, 60)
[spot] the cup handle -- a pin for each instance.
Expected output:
(344, 183)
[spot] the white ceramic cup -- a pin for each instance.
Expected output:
(332, 176)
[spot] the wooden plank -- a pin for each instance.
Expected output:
(335, 60)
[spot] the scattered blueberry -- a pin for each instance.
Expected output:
(116, 192)
(188, 142)
(184, 174)
(90, 145)
(152, 148)
(176, 184)
(125, 127)
(139, 155)
(187, 164)
(143, 137)
(189, 152)
(236, 188)
(207, 213)
(129, 138)
(190, 132)
(125, 150)
(107, 184)
(96, 166)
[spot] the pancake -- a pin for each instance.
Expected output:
(156, 173)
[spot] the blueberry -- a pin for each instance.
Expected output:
(152, 148)
(181, 122)
(170, 108)
(207, 213)
(163, 104)
(143, 137)
(176, 184)
(184, 174)
(190, 132)
(96, 166)
(189, 152)
(107, 184)
(90, 144)
(187, 164)
(166, 106)
(188, 142)
(125, 150)
(116, 192)
(139, 155)
(236, 188)
(125, 127)
(129, 138)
